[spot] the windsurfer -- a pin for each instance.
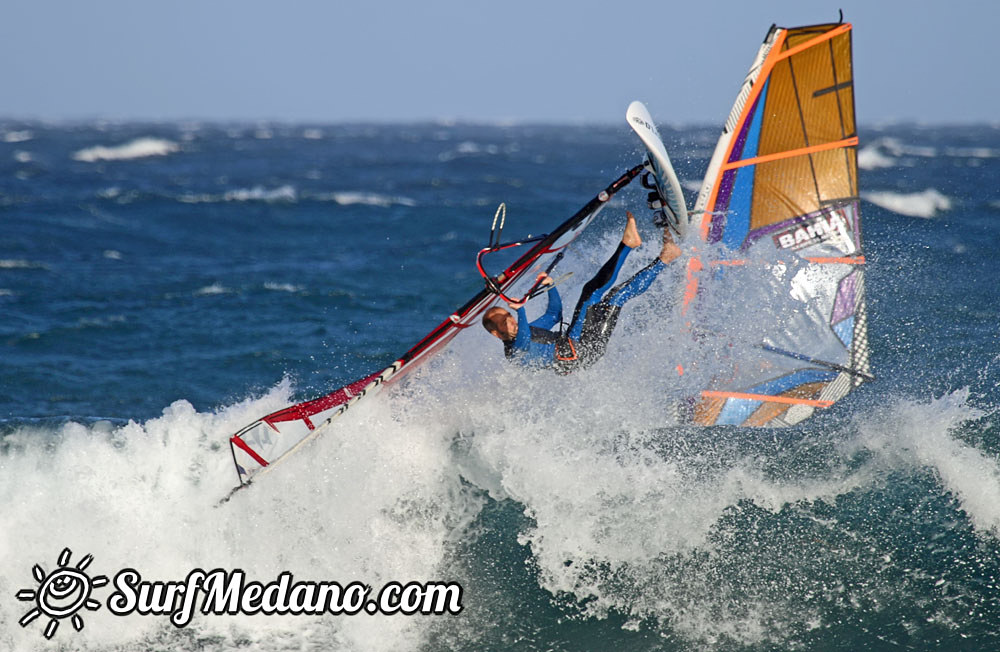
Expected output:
(594, 317)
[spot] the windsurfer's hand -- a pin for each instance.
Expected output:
(544, 279)
(516, 304)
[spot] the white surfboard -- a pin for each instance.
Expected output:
(666, 179)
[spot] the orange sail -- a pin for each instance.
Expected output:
(782, 188)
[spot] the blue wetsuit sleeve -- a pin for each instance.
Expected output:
(553, 313)
(527, 350)
(523, 338)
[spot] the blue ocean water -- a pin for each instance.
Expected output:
(162, 285)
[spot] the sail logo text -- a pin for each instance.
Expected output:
(220, 592)
(813, 231)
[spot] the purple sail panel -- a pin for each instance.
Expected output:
(729, 177)
(853, 213)
(845, 304)
(741, 139)
(721, 205)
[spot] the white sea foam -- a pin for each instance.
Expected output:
(19, 263)
(896, 147)
(927, 203)
(468, 148)
(871, 158)
(259, 193)
(972, 152)
(884, 152)
(621, 525)
(289, 193)
(213, 289)
(138, 148)
(22, 156)
(348, 198)
(282, 287)
(372, 508)
(17, 136)
(286, 193)
(891, 152)
(921, 434)
(312, 134)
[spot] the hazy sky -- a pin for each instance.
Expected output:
(523, 60)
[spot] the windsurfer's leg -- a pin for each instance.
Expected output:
(631, 237)
(605, 277)
(636, 285)
(641, 281)
(670, 251)
(596, 327)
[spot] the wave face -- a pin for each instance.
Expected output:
(152, 306)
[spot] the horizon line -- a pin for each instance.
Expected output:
(439, 122)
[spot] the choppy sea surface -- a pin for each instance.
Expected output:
(162, 285)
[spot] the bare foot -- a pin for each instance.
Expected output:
(631, 237)
(670, 251)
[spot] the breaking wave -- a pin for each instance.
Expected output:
(282, 287)
(872, 158)
(468, 148)
(213, 289)
(146, 496)
(366, 199)
(16, 263)
(138, 148)
(284, 193)
(289, 193)
(258, 193)
(17, 136)
(891, 152)
(924, 204)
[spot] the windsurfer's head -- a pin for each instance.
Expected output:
(500, 323)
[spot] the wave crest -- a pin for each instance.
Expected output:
(924, 204)
(138, 148)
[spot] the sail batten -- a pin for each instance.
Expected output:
(804, 151)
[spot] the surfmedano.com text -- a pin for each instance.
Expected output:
(229, 592)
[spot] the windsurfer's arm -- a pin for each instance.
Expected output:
(553, 313)
(528, 350)
(523, 338)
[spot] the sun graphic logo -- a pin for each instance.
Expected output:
(61, 593)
